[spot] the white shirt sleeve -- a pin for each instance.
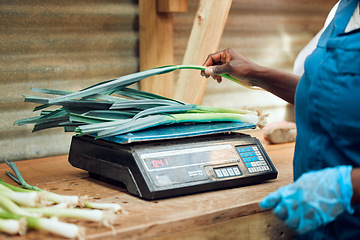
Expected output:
(309, 48)
(354, 22)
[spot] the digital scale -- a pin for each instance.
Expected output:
(176, 160)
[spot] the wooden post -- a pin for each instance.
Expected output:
(205, 37)
(156, 42)
(169, 6)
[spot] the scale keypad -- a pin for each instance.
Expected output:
(253, 159)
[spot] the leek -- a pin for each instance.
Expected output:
(124, 81)
(95, 110)
(156, 120)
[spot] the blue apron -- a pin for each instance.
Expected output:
(327, 111)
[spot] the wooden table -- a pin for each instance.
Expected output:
(224, 214)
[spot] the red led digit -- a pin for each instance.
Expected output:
(155, 163)
(166, 161)
(160, 162)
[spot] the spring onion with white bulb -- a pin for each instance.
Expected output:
(35, 208)
(17, 224)
(110, 108)
(12, 226)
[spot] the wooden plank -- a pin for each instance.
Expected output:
(263, 225)
(205, 37)
(156, 47)
(167, 6)
(152, 219)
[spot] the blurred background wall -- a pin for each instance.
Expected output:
(71, 44)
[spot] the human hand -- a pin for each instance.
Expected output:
(231, 62)
(315, 199)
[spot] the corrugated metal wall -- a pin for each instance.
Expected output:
(72, 44)
(60, 45)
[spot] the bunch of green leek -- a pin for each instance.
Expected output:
(31, 207)
(111, 108)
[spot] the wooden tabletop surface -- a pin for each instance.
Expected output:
(151, 219)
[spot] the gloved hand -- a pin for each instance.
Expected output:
(315, 199)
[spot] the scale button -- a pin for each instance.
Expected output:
(249, 149)
(218, 173)
(240, 150)
(163, 180)
(236, 171)
(245, 154)
(225, 172)
(231, 172)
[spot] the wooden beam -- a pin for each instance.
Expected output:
(205, 37)
(167, 6)
(156, 47)
(156, 35)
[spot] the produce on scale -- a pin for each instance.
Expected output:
(111, 108)
(34, 208)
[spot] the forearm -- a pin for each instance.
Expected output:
(280, 83)
(355, 179)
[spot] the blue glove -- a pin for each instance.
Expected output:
(315, 199)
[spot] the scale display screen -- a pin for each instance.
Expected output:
(173, 167)
(184, 158)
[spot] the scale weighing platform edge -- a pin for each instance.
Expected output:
(176, 160)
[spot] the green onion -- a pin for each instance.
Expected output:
(105, 206)
(28, 199)
(11, 226)
(63, 229)
(10, 206)
(87, 214)
(17, 204)
(52, 197)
